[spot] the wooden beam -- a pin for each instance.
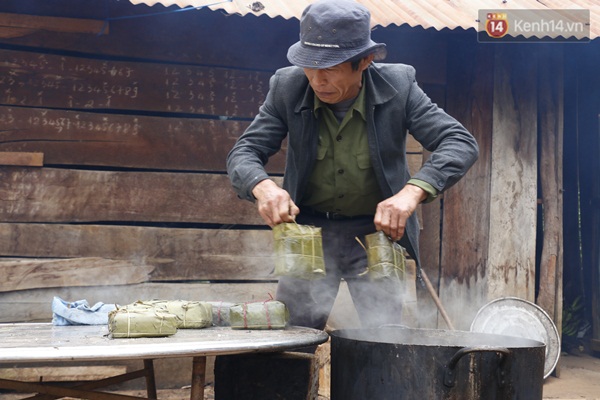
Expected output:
(32, 23)
(8, 33)
(129, 141)
(174, 254)
(61, 195)
(82, 271)
(29, 159)
(62, 374)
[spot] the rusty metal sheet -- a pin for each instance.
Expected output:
(437, 14)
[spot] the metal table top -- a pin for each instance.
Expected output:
(44, 342)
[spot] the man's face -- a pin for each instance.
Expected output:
(338, 83)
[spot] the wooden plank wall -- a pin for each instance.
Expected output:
(113, 146)
(582, 185)
(132, 200)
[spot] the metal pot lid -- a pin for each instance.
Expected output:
(513, 316)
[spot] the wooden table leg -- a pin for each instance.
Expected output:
(198, 378)
(150, 381)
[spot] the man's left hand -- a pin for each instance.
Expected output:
(391, 214)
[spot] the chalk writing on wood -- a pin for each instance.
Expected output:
(131, 141)
(46, 80)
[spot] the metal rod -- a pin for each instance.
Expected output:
(436, 299)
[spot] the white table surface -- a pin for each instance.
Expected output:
(43, 342)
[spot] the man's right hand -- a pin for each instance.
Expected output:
(274, 204)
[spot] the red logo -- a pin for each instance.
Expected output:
(496, 24)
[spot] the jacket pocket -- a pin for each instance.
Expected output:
(364, 161)
(321, 150)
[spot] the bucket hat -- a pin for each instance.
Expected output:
(333, 32)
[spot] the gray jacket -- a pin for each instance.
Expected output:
(395, 106)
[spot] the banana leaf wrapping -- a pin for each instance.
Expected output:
(385, 258)
(220, 313)
(298, 251)
(189, 314)
(270, 314)
(141, 322)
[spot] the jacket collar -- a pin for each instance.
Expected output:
(379, 90)
(308, 100)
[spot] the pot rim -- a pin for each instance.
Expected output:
(400, 335)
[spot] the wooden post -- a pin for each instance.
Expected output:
(513, 206)
(550, 101)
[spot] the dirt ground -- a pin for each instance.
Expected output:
(579, 379)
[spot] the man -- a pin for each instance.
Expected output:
(346, 120)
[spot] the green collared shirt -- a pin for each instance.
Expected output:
(343, 180)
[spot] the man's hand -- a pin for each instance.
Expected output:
(274, 204)
(391, 214)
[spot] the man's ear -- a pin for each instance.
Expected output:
(366, 61)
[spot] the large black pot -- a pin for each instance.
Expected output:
(428, 364)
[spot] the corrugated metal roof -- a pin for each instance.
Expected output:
(437, 14)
